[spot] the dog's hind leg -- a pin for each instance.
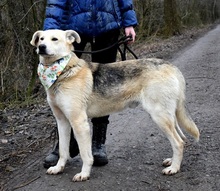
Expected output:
(180, 132)
(164, 116)
(166, 122)
(82, 133)
(64, 131)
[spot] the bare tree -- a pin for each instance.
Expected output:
(150, 17)
(171, 18)
(7, 45)
(18, 21)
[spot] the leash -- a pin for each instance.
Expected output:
(122, 41)
(126, 48)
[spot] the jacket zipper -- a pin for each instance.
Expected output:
(116, 16)
(93, 19)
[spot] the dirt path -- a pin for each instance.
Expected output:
(136, 148)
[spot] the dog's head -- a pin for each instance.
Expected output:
(54, 44)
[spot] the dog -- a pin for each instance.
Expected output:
(82, 90)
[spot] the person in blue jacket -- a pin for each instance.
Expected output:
(98, 22)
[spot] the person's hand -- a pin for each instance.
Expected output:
(130, 31)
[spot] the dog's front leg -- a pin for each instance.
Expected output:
(64, 131)
(83, 136)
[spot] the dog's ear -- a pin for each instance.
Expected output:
(35, 38)
(72, 36)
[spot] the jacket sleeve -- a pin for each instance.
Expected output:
(55, 12)
(128, 14)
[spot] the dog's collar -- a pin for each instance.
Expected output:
(49, 74)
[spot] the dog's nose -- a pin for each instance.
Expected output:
(42, 49)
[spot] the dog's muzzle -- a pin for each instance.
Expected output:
(42, 49)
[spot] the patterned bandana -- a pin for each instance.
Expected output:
(49, 74)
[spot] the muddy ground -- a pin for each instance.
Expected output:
(136, 148)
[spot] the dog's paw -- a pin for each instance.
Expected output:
(167, 162)
(80, 177)
(55, 170)
(170, 170)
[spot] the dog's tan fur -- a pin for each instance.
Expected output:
(87, 90)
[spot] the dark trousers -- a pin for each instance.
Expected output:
(98, 43)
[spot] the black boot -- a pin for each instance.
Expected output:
(98, 145)
(53, 157)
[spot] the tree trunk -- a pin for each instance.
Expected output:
(7, 44)
(171, 18)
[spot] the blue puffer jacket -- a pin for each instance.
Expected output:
(89, 17)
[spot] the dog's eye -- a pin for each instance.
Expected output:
(54, 39)
(41, 38)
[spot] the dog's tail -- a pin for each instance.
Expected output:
(185, 121)
(183, 118)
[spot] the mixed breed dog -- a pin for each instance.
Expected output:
(78, 90)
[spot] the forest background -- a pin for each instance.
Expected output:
(21, 18)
